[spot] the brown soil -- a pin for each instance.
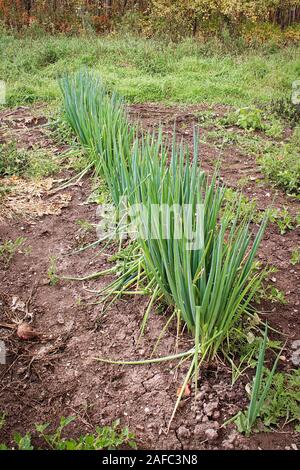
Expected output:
(56, 375)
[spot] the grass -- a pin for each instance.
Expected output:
(144, 70)
(148, 70)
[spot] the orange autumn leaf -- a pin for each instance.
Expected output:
(187, 391)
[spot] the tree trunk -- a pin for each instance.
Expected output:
(108, 8)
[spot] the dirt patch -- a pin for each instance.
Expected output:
(31, 199)
(56, 374)
(28, 128)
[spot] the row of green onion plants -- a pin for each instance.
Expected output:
(196, 257)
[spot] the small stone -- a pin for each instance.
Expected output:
(229, 442)
(200, 429)
(201, 395)
(199, 418)
(121, 336)
(295, 344)
(216, 414)
(183, 432)
(205, 419)
(211, 434)
(295, 358)
(151, 425)
(210, 407)
(60, 319)
(154, 383)
(147, 410)
(227, 445)
(294, 447)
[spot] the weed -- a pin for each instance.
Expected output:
(295, 138)
(85, 225)
(281, 164)
(246, 420)
(295, 256)
(274, 128)
(41, 164)
(23, 442)
(283, 400)
(273, 294)
(243, 345)
(249, 118)
(267, 291)
(12, 160)
(34, 163)
(107, 437)
(49, 54)
(52, 271)
(283, 219)
(242, 349)
(61, 131)
(283, 108)
(279, 161)
(9, 248)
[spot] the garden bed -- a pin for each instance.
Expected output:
(56, 374)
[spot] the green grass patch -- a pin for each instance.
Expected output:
(148, 70)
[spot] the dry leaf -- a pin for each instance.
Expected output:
(26, 332)
(187, 391)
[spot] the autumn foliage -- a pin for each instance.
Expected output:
(176, 17)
